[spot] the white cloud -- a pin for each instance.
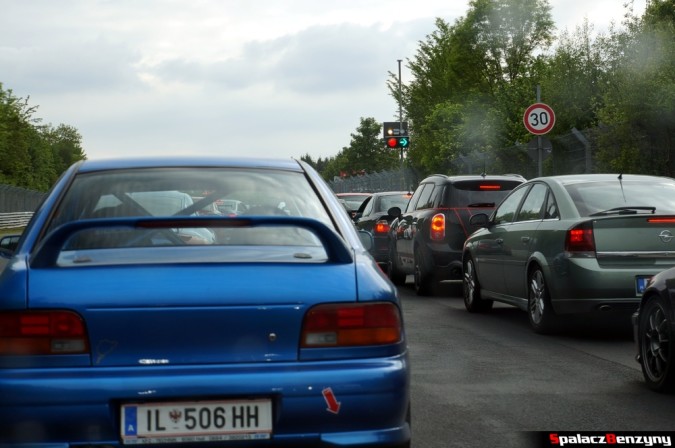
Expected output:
(251, 77)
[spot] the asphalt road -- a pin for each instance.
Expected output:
(490, 381)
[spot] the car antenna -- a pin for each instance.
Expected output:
(621, 183)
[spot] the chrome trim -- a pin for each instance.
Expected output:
(656, 254)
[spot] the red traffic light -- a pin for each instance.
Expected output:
(398, 142)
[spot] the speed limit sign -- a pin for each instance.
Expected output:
(539, 118)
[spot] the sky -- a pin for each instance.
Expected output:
(262, 78)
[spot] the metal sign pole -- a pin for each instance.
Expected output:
(540, 150)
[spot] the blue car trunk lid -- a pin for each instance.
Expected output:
(192, 313)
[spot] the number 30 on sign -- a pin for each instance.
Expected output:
(539, 118)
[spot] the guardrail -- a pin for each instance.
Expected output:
(14, 220)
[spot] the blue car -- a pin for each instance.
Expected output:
(116, 329)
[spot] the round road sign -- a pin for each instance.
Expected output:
(539, 118)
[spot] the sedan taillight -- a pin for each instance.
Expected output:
(381, 227)
(358, 324)
(54, 332)
(579, 239)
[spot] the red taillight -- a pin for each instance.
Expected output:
(580, 239)
(661, 220)
(42, 333)
(489, 187)
(381, 226)
(437, 230)
(343, 325)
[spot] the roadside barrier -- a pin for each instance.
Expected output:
(14, 220)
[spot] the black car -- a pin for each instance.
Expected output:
(427, 239)
(374, 216)
(654, 332)
(352, 201)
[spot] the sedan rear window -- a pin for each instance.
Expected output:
(184, 194)
(627, 196)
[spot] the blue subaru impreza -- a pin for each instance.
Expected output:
(127, 317)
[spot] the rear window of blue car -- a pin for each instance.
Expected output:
(186, 192)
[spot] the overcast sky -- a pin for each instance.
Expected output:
(280, 78)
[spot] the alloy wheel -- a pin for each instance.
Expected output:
(656, 344)
(537, 303)
(469, 283)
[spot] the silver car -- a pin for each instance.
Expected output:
(574, 244)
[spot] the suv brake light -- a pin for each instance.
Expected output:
(54, 332)
(354, 324)
(437, 231)
(580, 239)
(489, 187)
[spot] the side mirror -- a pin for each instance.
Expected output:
(8, 243)
(479, 220)
(366, 239)
(394, 212)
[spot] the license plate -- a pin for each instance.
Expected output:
(641, 282)
(198, 421)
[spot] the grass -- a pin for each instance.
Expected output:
(14, 231)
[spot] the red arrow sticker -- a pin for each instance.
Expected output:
(331, 401)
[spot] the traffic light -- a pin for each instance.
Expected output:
(398, 142)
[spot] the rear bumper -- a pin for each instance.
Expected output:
(446, 262)
(581, 285)
(380, 249)
(58, 407)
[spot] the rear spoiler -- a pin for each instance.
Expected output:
(48, 251)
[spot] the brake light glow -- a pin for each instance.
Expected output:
(661, 220)
(489, 187)
(55, 332)
(381, 226)
(580, 239)
(437, 230)
(354, 324)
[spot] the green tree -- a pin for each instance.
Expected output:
(33, 155)
(639, 103)
(66, 145)
(365, 154)
(16, 135)
(472, 79)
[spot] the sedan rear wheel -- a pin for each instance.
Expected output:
(539, 310)
(473, 301)
(655, 337)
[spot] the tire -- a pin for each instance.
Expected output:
(473, 301)
(424, 281)
(396, 276)
(539, 310)
(655, 342)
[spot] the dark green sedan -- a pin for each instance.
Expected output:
(569, 245)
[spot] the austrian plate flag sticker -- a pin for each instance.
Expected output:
(608, 438)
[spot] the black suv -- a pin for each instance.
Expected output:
(426, 240)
